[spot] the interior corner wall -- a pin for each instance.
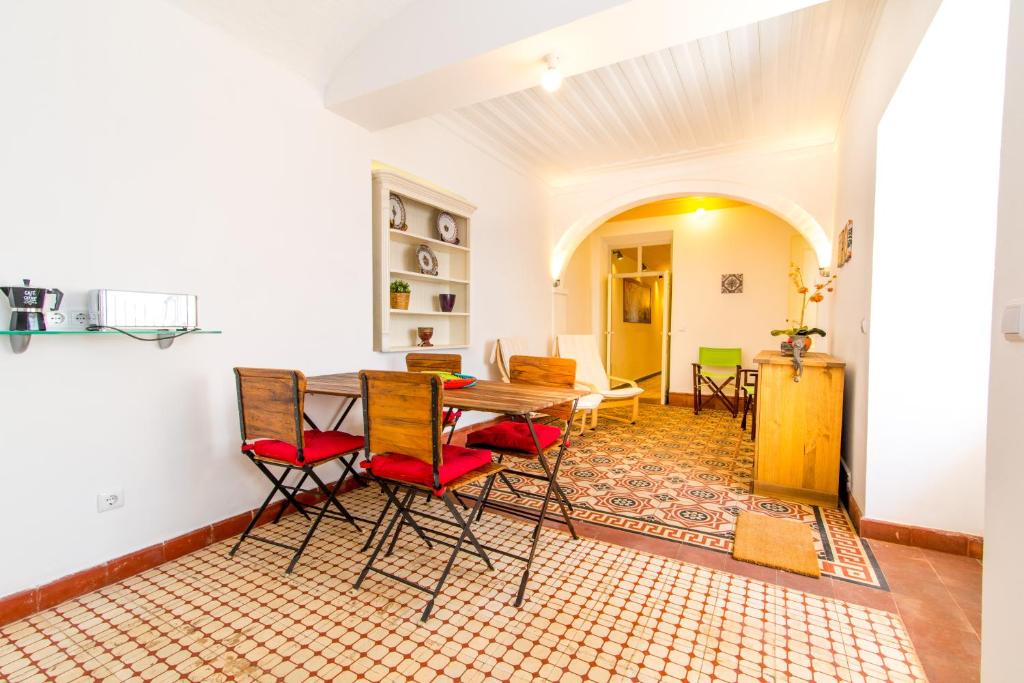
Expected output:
(900, 28)
(143, 149)
(1003, 589)
(932, 269)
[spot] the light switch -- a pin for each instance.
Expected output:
(1013, 320)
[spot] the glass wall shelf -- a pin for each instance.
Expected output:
(163, 337)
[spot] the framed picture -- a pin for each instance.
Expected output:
(844, 244)
(636, 302)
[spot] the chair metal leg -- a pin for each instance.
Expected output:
(376, 526)
(312, 527)
(376, 551)
(393, 500)
(279, 486)
(331, 499)
(466, 534)
(295, 491)
(401, 523)
(253, 521)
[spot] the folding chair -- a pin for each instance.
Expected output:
(716, 369)
(270, 413)
(526, 440)
(748, 383)
(402, 414)
(438, 362)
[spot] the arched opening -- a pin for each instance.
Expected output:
(786, 209)
(709, 271)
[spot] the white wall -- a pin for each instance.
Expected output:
(897, 35)
(744, 240)
(1003, 590)
(934, 245)
(143, 149)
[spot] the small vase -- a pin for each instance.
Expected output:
(804, 339)
(425, 333)
(400, 301)
(447, 302)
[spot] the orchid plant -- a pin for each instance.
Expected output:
(813, 295)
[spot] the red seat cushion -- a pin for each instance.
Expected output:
(451, 417)
(514, 436)
(455, 461)
(319, 446)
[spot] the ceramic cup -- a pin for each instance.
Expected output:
(447, 302)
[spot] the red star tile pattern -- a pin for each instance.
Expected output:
(594, 612)
(686, 478)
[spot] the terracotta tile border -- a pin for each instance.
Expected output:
(25, 603)
(921, 537)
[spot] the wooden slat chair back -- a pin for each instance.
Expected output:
(270, 404)
(402, 411)
(548, 372)
(433, 362)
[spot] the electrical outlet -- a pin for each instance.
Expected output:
(109, 501)
(56, 319)
(79, 320)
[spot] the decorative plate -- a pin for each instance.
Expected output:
(453, 380)
(447, 228)
(397, 213)
(426, 259)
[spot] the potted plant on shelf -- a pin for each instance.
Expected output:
(400, 295)
(798, 340)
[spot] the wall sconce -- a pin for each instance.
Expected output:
(617, 253)
(558, 283)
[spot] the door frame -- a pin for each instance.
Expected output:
(666, 309)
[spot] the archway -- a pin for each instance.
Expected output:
(786, 209)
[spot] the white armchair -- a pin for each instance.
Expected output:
(590, 374)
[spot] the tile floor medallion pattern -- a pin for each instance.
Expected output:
(686, 478)
(594, 611)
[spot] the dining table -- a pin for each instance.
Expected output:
(504, 398)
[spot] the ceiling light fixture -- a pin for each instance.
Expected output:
(551, 80)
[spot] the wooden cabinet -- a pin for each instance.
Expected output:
(799, 428)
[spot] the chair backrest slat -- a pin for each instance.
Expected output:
(548, 372)
(270, 404)
(433, 362)
(402, 414)
(719, 358)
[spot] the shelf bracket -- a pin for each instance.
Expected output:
(19, 342)
(165, 339)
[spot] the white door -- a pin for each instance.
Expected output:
(659, 280)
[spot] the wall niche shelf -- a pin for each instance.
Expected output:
(163, 338)
(395, 330)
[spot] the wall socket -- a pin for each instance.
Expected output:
(79, 320)
(110, 500)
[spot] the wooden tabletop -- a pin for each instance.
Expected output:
(812, 359)
(486, 395)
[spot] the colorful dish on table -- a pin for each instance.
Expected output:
(454, 380)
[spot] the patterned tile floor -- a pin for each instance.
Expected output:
(686, 477)
(594, 611)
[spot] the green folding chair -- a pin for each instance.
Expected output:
(716, 369)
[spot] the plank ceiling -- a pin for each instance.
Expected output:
(783, 81)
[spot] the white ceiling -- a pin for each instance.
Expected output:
(310, 37)
(784, 80)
